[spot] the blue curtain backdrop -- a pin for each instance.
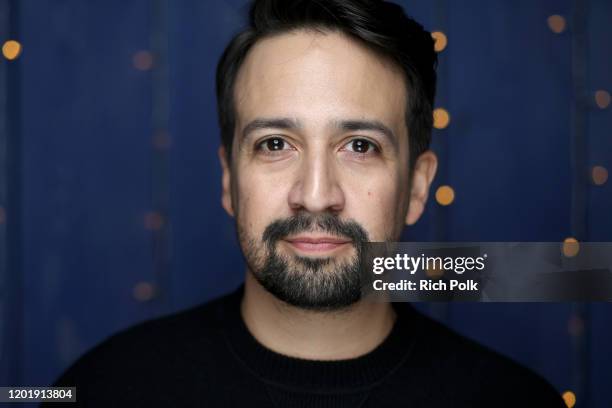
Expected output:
(110, 184)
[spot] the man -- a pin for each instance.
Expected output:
(326, 112)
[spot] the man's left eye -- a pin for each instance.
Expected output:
(360, 146)
(272, 144)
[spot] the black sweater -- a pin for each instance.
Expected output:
(206, 357)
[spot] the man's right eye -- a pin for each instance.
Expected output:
(272, 144)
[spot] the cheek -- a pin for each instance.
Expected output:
(377, 206)
(260, 201)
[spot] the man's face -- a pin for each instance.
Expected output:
(319, 163)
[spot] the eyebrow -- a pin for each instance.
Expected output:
(292, 124)
(270, 123)
(374, 125)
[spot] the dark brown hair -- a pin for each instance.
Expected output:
(379, 25)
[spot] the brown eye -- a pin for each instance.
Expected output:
(273, 144)
(360, 146)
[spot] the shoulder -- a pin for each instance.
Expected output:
(475, 371)
(140, 356)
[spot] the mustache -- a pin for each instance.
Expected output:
(305, 222)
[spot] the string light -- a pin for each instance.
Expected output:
(161, 140)
(570, 247)
(599, 174)
(556, 23)
(569, 398)
(434, 272)
(602, 99)
(143, 291)
(575, 325)
(445, 195)
(440, 41)
(142, 60)
(11, 49)
(153, 221)
(441, 118)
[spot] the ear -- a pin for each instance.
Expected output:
(226, 187)
(423, 174)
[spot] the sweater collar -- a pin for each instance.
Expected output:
(364, 371)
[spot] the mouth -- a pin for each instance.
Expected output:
(317, 244)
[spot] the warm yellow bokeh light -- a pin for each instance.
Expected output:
(570, 247)
(441, 118)
(575, 325)
(599, 175)
(161, 140)
(445, 195)
(142, 60)
(556, 23)
(602, 99)
(569, 398)
(143, 291)
(440, 40)
(153, 221)
(434, 272)
(11, 49)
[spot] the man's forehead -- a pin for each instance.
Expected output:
(313, 75)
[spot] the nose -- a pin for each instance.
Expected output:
(316, 188)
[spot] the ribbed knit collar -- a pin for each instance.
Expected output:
(337, 376)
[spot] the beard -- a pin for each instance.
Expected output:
(319, 284)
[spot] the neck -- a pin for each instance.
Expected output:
(314, 335)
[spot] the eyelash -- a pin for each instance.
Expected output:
(259, 147)
(374, 149)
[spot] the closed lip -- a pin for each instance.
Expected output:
(318, 240)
